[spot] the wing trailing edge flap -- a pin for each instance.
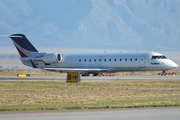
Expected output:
(33, 64)
(76, 69)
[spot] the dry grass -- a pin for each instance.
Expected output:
(87, 95)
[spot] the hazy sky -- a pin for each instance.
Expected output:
(145, 25)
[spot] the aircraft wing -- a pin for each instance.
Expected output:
(76, 69)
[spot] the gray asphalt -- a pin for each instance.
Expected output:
(90, 78)
(171, 113)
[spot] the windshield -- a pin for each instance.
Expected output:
(158, 57)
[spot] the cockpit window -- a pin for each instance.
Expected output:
(158, 57)
(163, 57)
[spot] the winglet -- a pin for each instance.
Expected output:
(33, 64)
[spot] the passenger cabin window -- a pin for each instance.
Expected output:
(99, 60)
(109, 59)
(120, 59)
(135, 59)
(94, 60)
(158, 57)
(114, 59)
(89, 60)
(131, 59)
(84, 60)
(126, 59)
(104, 60)
(79, 60)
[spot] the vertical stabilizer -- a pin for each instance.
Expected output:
(24, 47)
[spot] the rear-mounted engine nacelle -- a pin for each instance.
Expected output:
(49, 58)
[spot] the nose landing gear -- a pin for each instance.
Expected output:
(163, 73)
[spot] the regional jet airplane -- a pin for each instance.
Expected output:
(90, 63)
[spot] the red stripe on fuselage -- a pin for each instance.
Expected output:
(20, 52)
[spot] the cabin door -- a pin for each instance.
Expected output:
(142, 62)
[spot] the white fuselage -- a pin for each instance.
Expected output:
(109, 62)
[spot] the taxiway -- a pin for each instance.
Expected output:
(90, 78)
(169, 113)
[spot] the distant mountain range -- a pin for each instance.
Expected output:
(94, 24)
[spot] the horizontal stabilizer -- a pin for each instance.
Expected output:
(15, 36)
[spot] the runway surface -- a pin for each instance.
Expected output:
(90, 78)
(171, 113)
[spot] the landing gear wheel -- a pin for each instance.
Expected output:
(163, 73)
(95, 74)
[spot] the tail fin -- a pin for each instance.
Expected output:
(24, 47)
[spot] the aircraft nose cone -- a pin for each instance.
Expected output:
(170, 65)
(174, 65)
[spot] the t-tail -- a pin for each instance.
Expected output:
(29, 54)
(24, 47)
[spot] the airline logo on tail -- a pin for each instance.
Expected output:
(24, 47)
